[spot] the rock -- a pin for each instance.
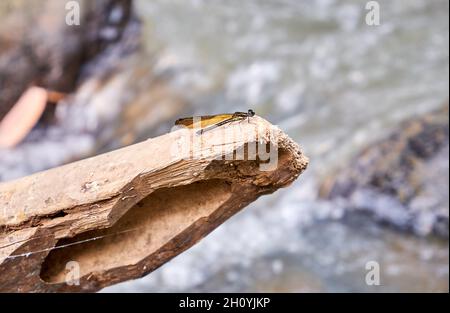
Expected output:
(37, 47)
(401, 180)
(83, 119)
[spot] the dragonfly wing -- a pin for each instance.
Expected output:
(205, 121)
(212, 126)
(223, 122)
(187, 121)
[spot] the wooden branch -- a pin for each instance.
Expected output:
(122, 214)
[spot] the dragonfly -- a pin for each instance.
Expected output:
(209, 122)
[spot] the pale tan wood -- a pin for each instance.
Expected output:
(23, 116)
(122, 214)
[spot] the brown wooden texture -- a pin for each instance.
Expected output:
(122, 214)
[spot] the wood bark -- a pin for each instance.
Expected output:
(122, 214)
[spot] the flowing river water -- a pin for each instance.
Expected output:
(335, 85)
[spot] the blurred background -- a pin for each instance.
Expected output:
(367, 104)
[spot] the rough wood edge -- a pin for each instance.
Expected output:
(101, 194)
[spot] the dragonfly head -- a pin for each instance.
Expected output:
(251, 113)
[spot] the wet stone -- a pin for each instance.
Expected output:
(402, 179)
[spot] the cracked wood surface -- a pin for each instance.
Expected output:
(122, 214)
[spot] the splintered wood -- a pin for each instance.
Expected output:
(120, 215)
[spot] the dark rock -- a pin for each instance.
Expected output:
(37, 47)
(402, 180)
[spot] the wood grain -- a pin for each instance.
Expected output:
(145, 204)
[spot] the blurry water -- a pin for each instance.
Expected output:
(314, 67)
(335, 85)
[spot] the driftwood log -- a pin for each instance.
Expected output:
(120, 215)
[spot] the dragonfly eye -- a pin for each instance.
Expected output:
(251, 113)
